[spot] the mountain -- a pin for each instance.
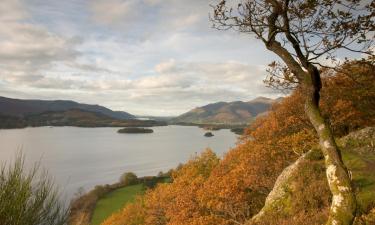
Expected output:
(82, 118)
(237, 112)
(22, 108)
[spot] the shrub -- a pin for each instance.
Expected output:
(129, 178)
(150, 182)
(29, 197)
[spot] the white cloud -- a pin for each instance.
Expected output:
(12, 10)
(150, 16)
(27, 42)
(26, 49)
(165, 66)
(113, 11)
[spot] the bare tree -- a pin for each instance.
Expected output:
(305, 34)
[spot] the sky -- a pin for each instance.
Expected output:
(145, 57)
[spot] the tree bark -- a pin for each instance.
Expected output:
(343, 206)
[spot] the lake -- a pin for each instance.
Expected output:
(85, 157)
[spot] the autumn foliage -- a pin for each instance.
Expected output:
(208, 190)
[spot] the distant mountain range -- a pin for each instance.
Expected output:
(22, 108)
(17, 113)
(237, 112)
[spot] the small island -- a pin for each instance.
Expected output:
(208, 134)
(135, 130)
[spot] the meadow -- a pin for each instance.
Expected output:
(114, 201)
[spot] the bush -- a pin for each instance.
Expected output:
(29, 197)
(129, 178)
(150, 182)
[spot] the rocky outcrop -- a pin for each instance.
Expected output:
(279, 199)
(362, 141)
(304, 182)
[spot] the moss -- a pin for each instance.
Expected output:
(305, 191)
(284, 205)
(351, 143)
(362, 166)
(353, 161)
(315, 154)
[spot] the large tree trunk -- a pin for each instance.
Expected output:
(343, 205)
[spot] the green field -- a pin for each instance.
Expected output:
(114, 201)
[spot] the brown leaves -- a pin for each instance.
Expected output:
(208, 191)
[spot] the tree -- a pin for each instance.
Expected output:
(128, 178)
(350, 96)
(29, 198)
(303, 33)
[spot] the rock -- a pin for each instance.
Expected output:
(360, 135)
(279, 199)
(361, 141)
(208, 134)
(302, 186)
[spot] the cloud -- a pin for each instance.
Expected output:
(26, 49)
(113, 11)
(12, 10)
(167, 75)
(27, 42)
(166, 66)
(149, 16)
(173, 87)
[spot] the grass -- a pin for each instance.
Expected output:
(115, 201)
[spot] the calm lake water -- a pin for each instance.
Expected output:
(85, 157)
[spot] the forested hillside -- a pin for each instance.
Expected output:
(209, 190)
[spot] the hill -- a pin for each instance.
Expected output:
(276, 174)
(21, 108)
(72, 117)
(237, 112)
(17, 113)
(82, 118)
(300, 194)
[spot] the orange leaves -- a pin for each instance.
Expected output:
(344, 111)
(300, 142)
(132, 214)
(228, 192)
(177, 203)
(208, 191)
(169, 203)
(349, 97)
(185, 206)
